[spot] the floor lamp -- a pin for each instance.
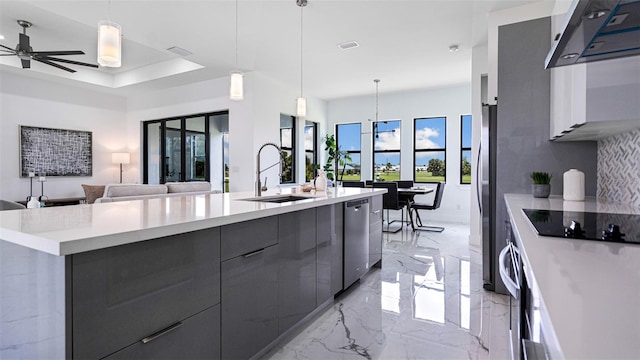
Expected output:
(120, 158)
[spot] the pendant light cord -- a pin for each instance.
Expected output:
(301, 48)
(236, 33)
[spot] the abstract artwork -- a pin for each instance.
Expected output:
(55, 152)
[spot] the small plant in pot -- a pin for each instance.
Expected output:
(541, 187)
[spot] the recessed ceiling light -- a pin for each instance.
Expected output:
(454, 48)
(348, 45)
(180, 51)
(1, 37)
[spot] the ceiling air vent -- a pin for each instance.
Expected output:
(348, 45)
(180, 51)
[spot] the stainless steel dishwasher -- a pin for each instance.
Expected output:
(356, 240)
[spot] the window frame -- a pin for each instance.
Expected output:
(374, 132)
(314, 151)
(359, 151)
(416, 151)
(292, 149)
(462, 148)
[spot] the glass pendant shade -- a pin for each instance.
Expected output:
(236, 87)
(301, 107)
(109, 44)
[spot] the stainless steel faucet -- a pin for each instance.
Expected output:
(259, 187)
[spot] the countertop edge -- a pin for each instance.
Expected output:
(74, 246)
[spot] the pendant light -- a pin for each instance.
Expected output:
(236, 85)
(109, 42)
(376, 132)
(301, 102)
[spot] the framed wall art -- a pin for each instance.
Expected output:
(55, 152)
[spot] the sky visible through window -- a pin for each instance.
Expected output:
(349, 137)
(430, 134)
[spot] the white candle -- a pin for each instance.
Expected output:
(42, 179)
(32, 174)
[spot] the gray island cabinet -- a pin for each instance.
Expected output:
(229, 291)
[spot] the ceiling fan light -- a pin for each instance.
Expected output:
(301, 107)
(236, 88)
(109, 44)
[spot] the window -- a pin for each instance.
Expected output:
(310, 150)
(288, 147)
(429, 149)
(386, 150)
(465, 149)
(184, 148)
(348, 139)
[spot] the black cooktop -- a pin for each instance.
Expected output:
(622, 228)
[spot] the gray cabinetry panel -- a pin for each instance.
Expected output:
(325, 237)
(297, 267)
(197, 337)
(124, 293)
(337, 252)
(375, 230)
(242, 238)
(249, 303)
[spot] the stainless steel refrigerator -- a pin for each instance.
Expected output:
(486, 173)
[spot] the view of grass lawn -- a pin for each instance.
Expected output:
(426, 177)
(466, 179)
(421, 177)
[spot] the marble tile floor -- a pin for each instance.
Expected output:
(426, 302)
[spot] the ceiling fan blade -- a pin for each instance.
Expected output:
(24, 43)
(8, 48)
(67, 61)
(26, 64)
(54, 64)
(48, 53)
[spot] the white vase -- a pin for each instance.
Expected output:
(573, 185)
(321, 181)
(33, 203)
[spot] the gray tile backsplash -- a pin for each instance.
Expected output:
(619, 168)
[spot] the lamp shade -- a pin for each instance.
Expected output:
(109, 44)
(301, 107)
(236, 88)
(120, 158)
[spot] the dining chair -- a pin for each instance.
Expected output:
(350, 183)
(437, 200)
(368, 183)
(405, 199)
(10, 205)
(390, 201)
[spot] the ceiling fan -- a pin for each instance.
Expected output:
(25, 52)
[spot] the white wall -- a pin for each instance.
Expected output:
(28, 101)
(406, 106)
(252, 122)
(479, 67)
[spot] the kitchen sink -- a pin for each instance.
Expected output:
(277, 198)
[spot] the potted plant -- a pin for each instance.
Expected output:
(541, 187)
(336, 158)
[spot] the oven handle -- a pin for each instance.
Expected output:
(512, 286)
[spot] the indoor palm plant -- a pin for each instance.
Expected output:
(541, 187)
(336, 158)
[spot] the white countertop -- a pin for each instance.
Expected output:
(66, 230)
(590, 290)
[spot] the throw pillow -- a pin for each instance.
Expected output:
(92, 192)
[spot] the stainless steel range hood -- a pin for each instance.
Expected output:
(597, 30)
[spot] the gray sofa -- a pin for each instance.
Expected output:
(126, 192)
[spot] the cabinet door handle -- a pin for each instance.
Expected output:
(512, 286)
(253, 253)
(164, 331)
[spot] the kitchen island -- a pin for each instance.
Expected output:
(586, 294)
(202, 276)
